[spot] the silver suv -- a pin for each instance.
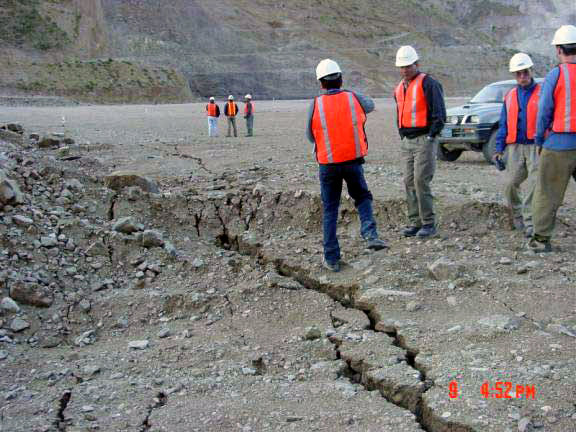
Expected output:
(474, 126)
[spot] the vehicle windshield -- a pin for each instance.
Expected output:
(492, 94)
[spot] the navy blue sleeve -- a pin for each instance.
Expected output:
(437, 109)
(502, 130)
(309, 134)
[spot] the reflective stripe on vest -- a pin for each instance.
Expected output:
(565, 100)
(231, 109)
(412, 109)
(338, 128)
(211, 110)
(511, 101)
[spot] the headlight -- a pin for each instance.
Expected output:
(474, 119)
(453, 119)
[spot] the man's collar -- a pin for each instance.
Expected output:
(413, 78)
(529, 86)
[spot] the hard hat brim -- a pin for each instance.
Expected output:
(331, 77)
(405, 63)
(520, 69)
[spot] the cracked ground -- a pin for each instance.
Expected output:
(245, 331)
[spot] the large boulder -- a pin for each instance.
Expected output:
(9, 191)
(152, 238)
(13, 127)
(49, 142)
(31, 294)
(119, 180)
(11, 137)
(127, 225)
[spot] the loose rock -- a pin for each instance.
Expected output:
(121, 179)
(152, 238)
(18, 324)
(31, 294)
(444, 269)
(139, 344)
(10, 305)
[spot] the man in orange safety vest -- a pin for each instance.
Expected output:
(213, 112)
(421, 114)
(230, 111)
(517, 129)
(336, 128)
(555, 138)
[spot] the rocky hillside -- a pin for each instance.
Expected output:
(270, 48)
(59, 48)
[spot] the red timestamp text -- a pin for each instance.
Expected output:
(500, 390)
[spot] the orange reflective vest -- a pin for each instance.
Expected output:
(565, 100)
(411, 104)
(249, 111)
(211, 110)
(511, 101)
(232, 109)
(338, 128)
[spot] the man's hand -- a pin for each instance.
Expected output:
(497, 156)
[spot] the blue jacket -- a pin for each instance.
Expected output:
(524, 95)
(555, 141)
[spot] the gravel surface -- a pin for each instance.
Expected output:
(204, 307)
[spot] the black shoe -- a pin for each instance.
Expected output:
(332, 266)
(539, 246)
(376, 244)
(427, 231)
(411, 231)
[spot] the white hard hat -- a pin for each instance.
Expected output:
(248, 96)
(327, 67)
(405, 56)
(211, 98)
(520, 62)
(565, 35)
(230, 97)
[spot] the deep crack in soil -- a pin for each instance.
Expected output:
(344, 294)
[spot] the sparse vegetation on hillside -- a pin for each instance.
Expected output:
(22, 25)
(104, 81)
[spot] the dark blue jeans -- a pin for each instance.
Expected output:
(331, 177)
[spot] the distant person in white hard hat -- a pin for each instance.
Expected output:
(336, 128)
(517, 129)
(213, 112)
(556, 138)
(230, 111)
(421, 114)
(249, 114)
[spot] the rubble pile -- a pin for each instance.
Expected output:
(56, 244)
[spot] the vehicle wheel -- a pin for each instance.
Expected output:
(447, 155)
(490, 147)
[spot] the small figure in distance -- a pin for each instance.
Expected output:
(230, 111)
(213, 112)
(249, 114)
